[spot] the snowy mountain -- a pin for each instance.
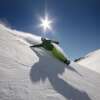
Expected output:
(91, 61)
(34, 74)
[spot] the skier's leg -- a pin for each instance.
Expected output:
(60, 56)
(39, 45)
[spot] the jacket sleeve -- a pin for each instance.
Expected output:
(38, 45)
(56, 42)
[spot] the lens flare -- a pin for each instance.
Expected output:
(46, 23)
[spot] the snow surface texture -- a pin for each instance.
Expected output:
(34, 74)
(91, 61)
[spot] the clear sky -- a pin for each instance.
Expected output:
(76, 22)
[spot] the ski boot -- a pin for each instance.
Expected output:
(67, 62)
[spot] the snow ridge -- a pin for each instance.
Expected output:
(91, 61)
(34, 74)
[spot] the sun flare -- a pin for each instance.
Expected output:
(46, 23)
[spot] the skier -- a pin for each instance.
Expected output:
(47, 44)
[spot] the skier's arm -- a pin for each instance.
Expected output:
(56, 42)
(38, 45)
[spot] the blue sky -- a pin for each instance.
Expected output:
(76, 22)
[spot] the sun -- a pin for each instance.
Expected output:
(46, 23)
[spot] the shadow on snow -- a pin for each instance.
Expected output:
(45, 69)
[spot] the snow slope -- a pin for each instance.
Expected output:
(34, 74)
(91, 61)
